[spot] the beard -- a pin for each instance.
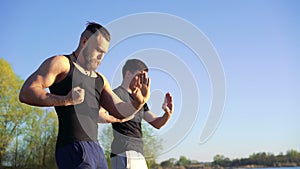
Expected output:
(91, 63)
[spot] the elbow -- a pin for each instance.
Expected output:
(22, 98)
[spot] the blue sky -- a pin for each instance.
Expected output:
(257, 43)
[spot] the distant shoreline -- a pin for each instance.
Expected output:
(201, 167)
(205, 166)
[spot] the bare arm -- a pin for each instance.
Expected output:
(120, 109)
(158, 122)
(51, 70)
(104, 117)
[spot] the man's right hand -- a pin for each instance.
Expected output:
(141, 94)
(75, 96)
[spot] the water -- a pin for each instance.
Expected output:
(279, 168)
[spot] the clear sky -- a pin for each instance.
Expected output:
(257, 43)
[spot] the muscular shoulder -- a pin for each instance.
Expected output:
(104, 79)
(58, 61)
(57, 66)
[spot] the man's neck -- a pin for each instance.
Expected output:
(81, 67)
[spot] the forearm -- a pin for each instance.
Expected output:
(105, 118)
(127, 109)
(37, 96)
(117, 107)
(161, 121)
(112, 119)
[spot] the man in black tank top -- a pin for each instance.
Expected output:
(77, 91)
(127, 145)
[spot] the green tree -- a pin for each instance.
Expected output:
(218, 159)
(152, 145)
(13, 114)
(168, 163)
(106, 137)
(293, 156)
(183, 161)
(221, 160)
(28, 134)
(40, 139)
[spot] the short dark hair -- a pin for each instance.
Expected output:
(133, 65)
(93, 27)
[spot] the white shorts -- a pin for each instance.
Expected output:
(129, 160)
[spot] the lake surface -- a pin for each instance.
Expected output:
(279, 168)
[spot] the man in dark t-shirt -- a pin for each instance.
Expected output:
(127, 146)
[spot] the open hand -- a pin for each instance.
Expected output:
(168, 104)
(141, 93)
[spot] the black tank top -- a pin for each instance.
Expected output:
(78, 122)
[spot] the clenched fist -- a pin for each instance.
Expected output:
(75, 96)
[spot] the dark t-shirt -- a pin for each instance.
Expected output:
(78, 122)
(128, 135)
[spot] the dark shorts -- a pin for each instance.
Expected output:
(81, 155)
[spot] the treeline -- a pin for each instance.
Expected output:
(291, 158)
(182, 162)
